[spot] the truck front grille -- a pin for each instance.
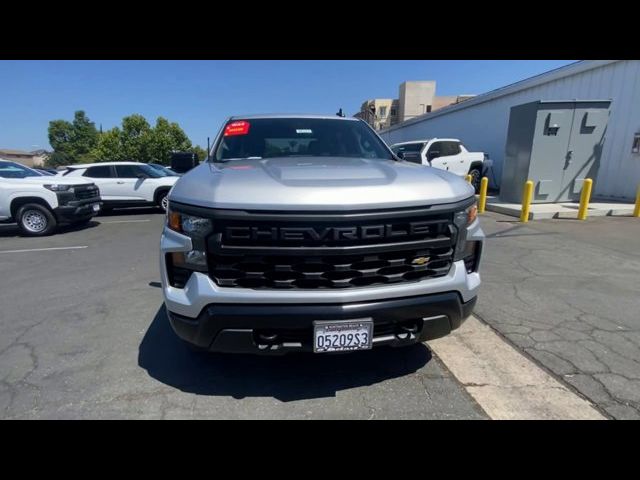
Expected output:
(334, 271)
(84, 192)
(282, 253)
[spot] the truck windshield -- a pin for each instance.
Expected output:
(298, 137)
(15, 170)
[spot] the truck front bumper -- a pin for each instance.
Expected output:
(231, 319)
(71, 209)
(241, 328)
(77, 213)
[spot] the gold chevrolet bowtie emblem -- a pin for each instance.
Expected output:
(420, 260)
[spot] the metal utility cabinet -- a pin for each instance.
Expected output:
(556, 145)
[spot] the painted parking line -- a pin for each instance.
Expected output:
(505, 383)
(43, 249)
(125, 221)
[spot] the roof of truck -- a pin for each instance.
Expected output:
(102, 164)
(291, 115)
(426, 140)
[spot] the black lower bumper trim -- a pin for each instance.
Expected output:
(235, 328)
(76, 213)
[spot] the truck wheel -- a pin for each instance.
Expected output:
(163, 201)
(476, 176)
(35, 220)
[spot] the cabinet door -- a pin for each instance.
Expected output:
(549, 151)
(585, 147)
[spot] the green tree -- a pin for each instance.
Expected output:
(109, 147)
(85, 134)
(72, 141)
(167, 137)
(80, 142)
(136, 138)
(58, 159)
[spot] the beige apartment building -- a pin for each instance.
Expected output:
(28, 159)
(380, 113)
(415, 98)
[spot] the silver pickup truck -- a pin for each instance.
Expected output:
(307, 233)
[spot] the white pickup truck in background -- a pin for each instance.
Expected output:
(446, 154)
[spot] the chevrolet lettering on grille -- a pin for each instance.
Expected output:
(365, 232)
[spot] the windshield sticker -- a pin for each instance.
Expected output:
(236, 128)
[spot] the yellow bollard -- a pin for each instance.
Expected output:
(636, 211)
(468, 178)
(584, 198)
(482, 201)
(526, 201)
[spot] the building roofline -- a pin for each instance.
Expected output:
(555, 74)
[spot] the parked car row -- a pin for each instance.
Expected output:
(126, 184)
(39, 201)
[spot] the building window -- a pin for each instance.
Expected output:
(383, 112)
(428, 108)
(393, 112)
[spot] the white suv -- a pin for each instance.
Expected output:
(126, 184)
(38, 203)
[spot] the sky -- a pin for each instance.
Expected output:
(199, 95)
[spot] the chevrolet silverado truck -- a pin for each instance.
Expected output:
(307, 233)
(39, 203)
(446, 154)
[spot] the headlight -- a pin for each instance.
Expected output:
(462, 220)
(55, 187)
(197, 228)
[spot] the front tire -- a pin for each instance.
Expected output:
(35, 220)
(163, 201)
(476, 176)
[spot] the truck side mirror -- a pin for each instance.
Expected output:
(400, 155)
(433, 154)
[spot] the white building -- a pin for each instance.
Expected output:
(481, 122)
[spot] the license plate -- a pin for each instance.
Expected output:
(342, 335)
(96, 207)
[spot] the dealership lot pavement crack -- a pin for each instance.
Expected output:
(573, 303)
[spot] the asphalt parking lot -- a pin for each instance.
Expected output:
(84, 335)
(566, 292)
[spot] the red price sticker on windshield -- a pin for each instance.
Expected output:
(236, 128)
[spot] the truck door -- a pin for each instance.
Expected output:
(458, 161)
(105, 178)
(132, 183)
(437, 157)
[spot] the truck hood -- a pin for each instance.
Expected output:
(317, 183)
